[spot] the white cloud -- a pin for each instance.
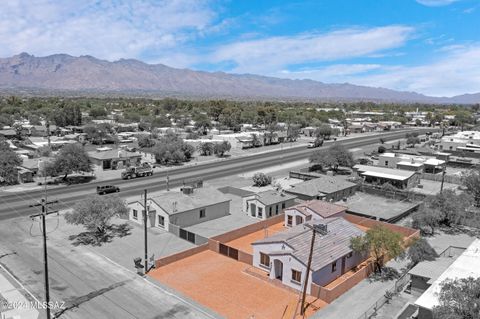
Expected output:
(104, 29)
(457, 71)
(276, 53)
(436, 3)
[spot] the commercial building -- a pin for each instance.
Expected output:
(267, 204)
(468, 141)
(411, 162)
(108, 158)
(285, 255)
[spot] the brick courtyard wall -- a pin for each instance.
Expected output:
(330, 294)
(240, 232)
(245, 257)
(406, 232)
(181, 255)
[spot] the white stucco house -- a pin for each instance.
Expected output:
(285, 255)
(267, 204)
(185, 208)
(314, 210)
(466, 141)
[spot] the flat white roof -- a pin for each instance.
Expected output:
(384, 172)
(466, 265)
(407, 163)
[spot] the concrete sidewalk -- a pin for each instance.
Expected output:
(14, 302)
(360, 298)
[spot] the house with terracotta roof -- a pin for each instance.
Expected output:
(314, 210)
(285, 255)
(267, 204)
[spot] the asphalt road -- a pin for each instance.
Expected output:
(15, 204)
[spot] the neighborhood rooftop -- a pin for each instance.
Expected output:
(327, 248)
(177, 202)
(271, 197)
(384, 172)
(319, 207)
(322, 185)
(466, 265)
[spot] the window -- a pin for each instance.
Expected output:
(276, 210)
(135, 214)
(247, 208)
(283, 205)
(161, 220)
(334, 266)
(289, 220)
(264, 260)
(386, 163)
(270, 211)
(350, 254)
(260, 212)
(202, 213)
(296, 275)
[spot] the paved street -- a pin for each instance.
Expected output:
(90, 285)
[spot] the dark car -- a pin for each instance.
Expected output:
(107, 189)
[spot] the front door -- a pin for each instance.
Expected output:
(343, 265)
(253, 210)
(278, 268)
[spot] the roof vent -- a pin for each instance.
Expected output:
(187, 190)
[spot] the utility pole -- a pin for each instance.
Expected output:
(48, 132)
(145, 215)
(44, 203)
(321, 229)
(168, 182)
(443, 177)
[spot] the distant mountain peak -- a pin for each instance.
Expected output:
(87, 74)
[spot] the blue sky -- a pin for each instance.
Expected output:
(427, 46)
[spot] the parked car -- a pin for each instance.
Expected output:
(107, 189)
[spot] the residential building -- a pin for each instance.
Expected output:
(267, 204)
(425, 273)
(9, 133)
(329, 188)
(285, 255)
(314, 210)
(185, 208)
(466, 265)
(380, 175)
(108, 158)
(411, 162)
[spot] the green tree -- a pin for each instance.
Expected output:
(170, 149)
(458, 299)
(426, 220)
(412, 139)
(98, 112)
(96, 212)
(72, 158)
(202, 123)
(206, 148)
(471, 181)
(379, 242)
(332, 157)
(221, 148)
(324, 131)
(261, 179)
(9, 161)
(450, 206)
(161, 121)
(145, 141)
(420, 250)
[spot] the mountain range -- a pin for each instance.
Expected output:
(86, 75)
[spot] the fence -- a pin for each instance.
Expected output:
(187, 235)
(399, 195)
(452, 179)
(397, 287)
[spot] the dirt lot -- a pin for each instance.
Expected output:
(222, 284)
